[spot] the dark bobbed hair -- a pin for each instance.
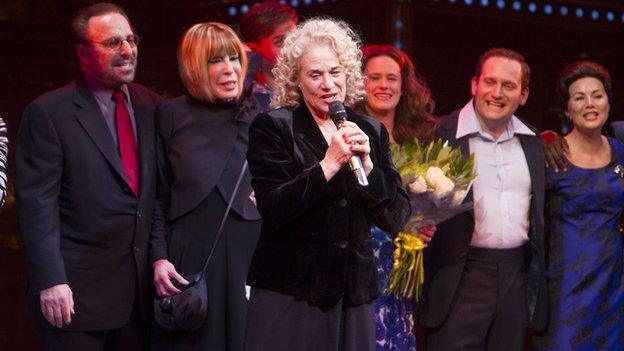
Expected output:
(262, 19)
(81, 18)
(413, 118)
(578, 70)
(508, 54)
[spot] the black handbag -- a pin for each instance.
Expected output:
(187, 310)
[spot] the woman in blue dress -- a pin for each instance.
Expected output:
(398, 97)
(585, 256)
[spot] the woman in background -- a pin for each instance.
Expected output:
(585, 262)
(202, 144)
(401, 100)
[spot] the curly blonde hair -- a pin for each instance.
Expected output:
(341, 39)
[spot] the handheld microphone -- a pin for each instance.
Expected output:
(338, 114)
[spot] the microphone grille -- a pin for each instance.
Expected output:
(337, 111)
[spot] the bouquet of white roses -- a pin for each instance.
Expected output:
(437, 178)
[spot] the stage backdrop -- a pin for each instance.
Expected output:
(444, 37)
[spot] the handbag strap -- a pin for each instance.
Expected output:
(225, 215)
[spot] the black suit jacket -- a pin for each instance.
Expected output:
(446, 255)
(315, 241)
(80, 223)
(196, 141)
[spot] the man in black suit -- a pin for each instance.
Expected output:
(485, 268)
(85, 184)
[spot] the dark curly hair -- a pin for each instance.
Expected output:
(578, 70)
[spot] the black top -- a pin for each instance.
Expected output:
(200, 146)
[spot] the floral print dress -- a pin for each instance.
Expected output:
(394, 317)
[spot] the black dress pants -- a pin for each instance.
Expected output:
(132, 336)
(489, 311)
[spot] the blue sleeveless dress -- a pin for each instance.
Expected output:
(585, 262)
(394, 317)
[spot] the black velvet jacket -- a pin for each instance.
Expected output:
(315, 242)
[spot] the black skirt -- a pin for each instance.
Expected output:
(191, 238)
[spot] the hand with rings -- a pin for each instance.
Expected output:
(359, 143)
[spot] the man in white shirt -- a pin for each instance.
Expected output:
(485, 268)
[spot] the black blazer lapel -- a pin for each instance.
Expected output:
(532, 148)
(313, 144)
(90, 117)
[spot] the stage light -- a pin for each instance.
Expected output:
(398, 44)
(564, 11)
(500, 4)
(468, 2)
(485, 3)
(610, 16)
(517, 6)
(232, 11)
(452, 1)
(244, 8)
(595, 15)
(398, 24)
(548, 9)
(623, 18)
(532, 7)
(579, 12)
(320, 1)
(307, 2)
(294, 3)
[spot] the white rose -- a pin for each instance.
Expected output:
(458, 197)
(434, 173)
(442, 185)
(418, 186)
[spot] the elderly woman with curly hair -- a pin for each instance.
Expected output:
(313, 274)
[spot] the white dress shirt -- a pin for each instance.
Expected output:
(502, 187)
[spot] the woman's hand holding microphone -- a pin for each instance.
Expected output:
(347, 141)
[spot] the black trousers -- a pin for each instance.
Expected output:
(489, 311)
(132, 336)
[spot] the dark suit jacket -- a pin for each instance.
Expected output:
(446, 255)
(315, 241)
(196, 141)
(80, 223)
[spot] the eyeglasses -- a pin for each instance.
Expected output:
(116, 42)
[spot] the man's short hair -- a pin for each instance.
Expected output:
(508, 54)
(80, 22)
(262, 19)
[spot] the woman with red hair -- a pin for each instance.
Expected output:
(400, 99)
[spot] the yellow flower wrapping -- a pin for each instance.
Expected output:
(407, 258)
